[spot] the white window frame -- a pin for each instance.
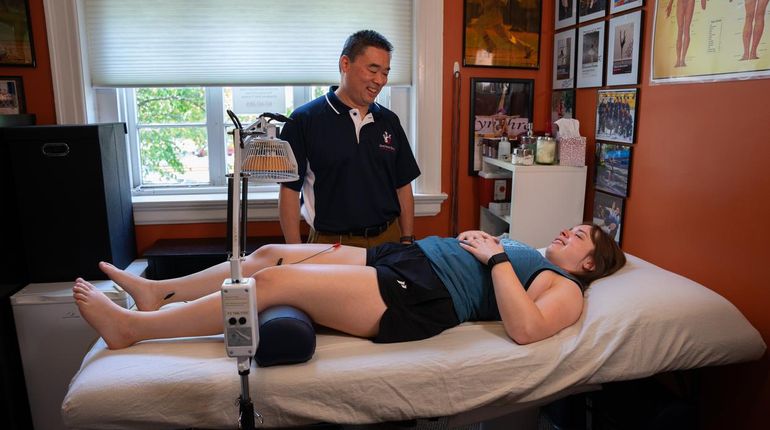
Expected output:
(77, 102)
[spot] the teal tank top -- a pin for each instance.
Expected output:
(469, 282)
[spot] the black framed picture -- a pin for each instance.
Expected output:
(613, 164)
(621, 5)
(608, 214)
(562, 104)
(566, 13)
(616, 115)
(16, 48)
(11, 95)
(501, 34)
(498, 107)
(624, 40)
(590, 57)
(591, 9)
(564, 59)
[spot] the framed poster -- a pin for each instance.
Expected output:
(16, 47)
(11, 95)
(613, 163)
(562, 104)
(590, 64)
(501, 34)
(624, 43)
(608, 213)
(726, 41)
(616, 115)
(566, 13)
(564, 60)
(591, 9)
(498, 107)
(621, 5)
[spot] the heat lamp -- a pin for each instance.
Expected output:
(259, 157)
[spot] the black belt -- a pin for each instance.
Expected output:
(371, 231)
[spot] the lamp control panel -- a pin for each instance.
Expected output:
(239, 311)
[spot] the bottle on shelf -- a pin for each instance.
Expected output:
(504, 149)
(529, 141)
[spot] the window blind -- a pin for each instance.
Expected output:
(143, 43)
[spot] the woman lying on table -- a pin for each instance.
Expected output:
(390, 293)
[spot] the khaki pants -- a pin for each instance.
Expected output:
(392, 234)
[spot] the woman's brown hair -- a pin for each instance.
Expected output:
(607, 256)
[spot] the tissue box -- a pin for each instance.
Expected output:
(572, 151)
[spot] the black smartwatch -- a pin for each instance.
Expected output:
(409, 239)
(496, 259)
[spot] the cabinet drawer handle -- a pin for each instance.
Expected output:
(55, 149)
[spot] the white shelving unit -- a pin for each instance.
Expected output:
(544, 200)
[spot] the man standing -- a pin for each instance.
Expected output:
(355, 162)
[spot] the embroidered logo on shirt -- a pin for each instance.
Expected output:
(387, 142)
(402, 284)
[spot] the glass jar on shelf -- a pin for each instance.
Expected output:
(546, 150)
(523, 156)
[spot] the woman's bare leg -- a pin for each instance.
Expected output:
(150, 295)
(341, 297)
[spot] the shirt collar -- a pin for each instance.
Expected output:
(340, 107)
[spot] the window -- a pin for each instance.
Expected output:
(79, 101)
(170, 135)
(179, 139)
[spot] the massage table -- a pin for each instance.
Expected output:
(639, 322)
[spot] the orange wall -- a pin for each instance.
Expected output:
(698, 200)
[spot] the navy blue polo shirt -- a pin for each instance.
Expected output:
(348, 182)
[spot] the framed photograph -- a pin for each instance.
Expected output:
(624, 45)
(608, 213)
(501, 34)
(11, 95)
(566, 13)
(564, 60)
(498, 107)
(616, 115)
(613, 163)
(16, 47)
(591, 9)
(562, 104)
(621, 5)
(590, 64)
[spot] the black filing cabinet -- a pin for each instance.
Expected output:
(73, 196)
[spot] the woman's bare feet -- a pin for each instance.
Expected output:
(145, 297)
(107, 318)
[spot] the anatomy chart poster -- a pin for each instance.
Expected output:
(725, 40)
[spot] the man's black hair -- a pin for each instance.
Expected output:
(360, 40)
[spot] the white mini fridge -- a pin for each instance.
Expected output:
(53, 339)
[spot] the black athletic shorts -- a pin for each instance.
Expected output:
(419, 306)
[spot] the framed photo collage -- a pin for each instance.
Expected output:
(597, 44)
